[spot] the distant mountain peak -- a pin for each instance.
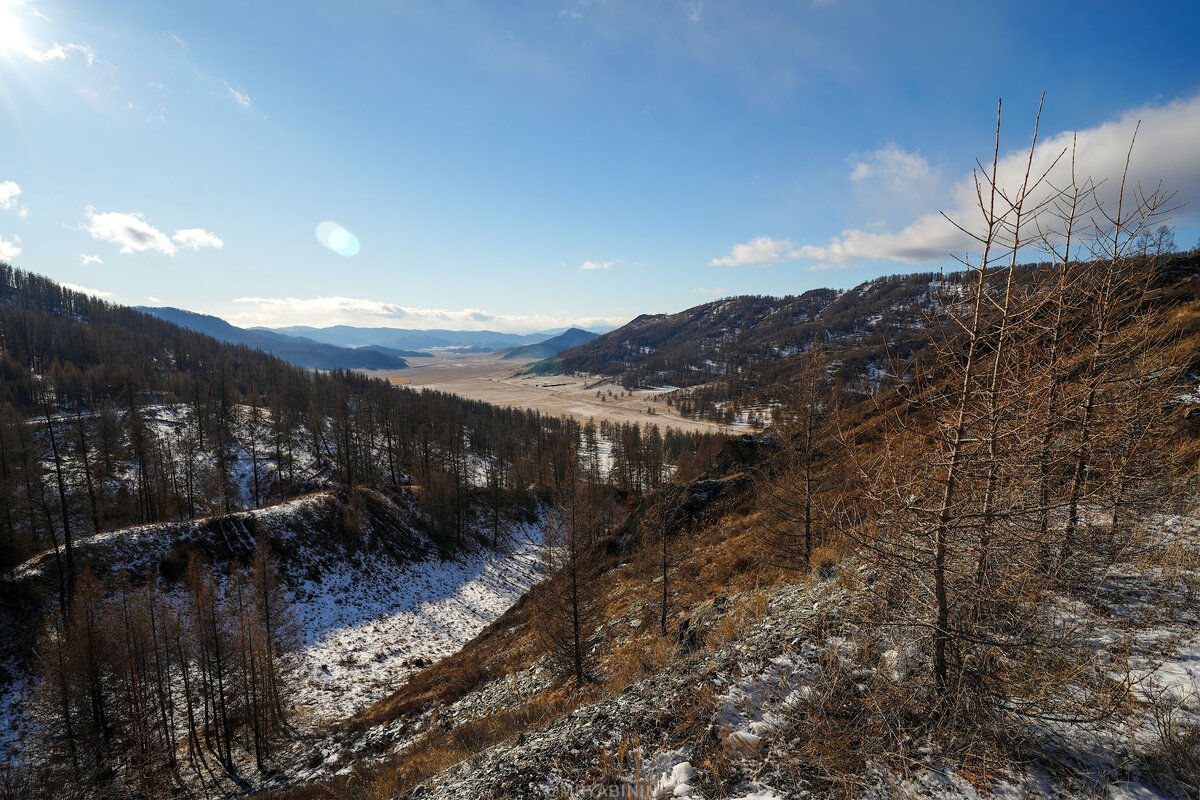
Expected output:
(303, 352)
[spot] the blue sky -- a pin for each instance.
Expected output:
(524, 165)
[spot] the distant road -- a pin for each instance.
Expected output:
(484, 376)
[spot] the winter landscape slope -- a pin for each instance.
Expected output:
(372, 605)
(766, 702)
(148, 468)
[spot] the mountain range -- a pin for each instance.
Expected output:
(348, 347)
(553, 346)
(296, 350)
(405, 338)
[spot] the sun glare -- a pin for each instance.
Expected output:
(12, 38)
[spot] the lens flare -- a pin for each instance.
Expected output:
(337, 239)
(12, 39)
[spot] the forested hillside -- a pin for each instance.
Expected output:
(745, 352)
(292, 349)
(744, 339)
(152, 566)
(113, 417)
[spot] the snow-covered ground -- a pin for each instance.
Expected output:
(1155, 613)
(364, 627)
(365, 620)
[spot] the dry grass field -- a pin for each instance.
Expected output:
(485, 376)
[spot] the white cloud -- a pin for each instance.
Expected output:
(10, 249)
(84, 258)
(195, 238)
(325, 311)
(1165, 150)
(152, 299)
(892, 163)
(718, 292)
(693, 9)
(59, 52)
(240, 97)
(599, 264)
(75, 287)
(570, 13)
(763, 250)
(930, 238)
(9, 192)
(130, 230)
(136, 235)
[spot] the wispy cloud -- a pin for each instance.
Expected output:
(135, 234)
(10, 249)
(717, 292)
(59, 52)
(195, 238)
(762, 250)
(693, 9)
(599, 264)
(570, 13)
(240, 97)
(325, 311)
(152, 299)
(85, 259)
(893, 164)
(75, 287)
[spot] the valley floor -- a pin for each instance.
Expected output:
(488, 377)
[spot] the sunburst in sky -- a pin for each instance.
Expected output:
(12, 33)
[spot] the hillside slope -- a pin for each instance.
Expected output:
(726, 339)
(783, 688)
(357, 639)
(745, 351)
(292, 349)
(552, 346)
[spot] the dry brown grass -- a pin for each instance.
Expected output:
(635, 659)
(747, 609)
(722, 559)
(438, 749)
